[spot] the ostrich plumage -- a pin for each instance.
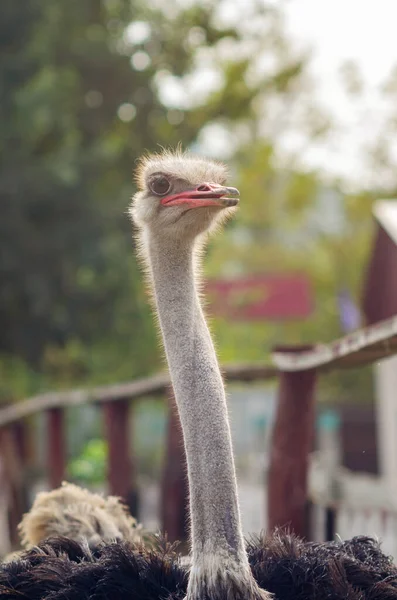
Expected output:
(180, 200)
(77, 514)
(63, 569)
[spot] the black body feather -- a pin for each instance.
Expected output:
(62, 569)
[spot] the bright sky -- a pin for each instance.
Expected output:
(363, 30)
(337, 31)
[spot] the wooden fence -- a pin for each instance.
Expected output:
(296, 368)
(115, 402)
(345, 521)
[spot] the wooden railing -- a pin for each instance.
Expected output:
(114, 401)
(294, 424)
(296, 369)
(147, 386)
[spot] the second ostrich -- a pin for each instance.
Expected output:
(78, 514)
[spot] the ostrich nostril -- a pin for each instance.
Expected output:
(203, 188)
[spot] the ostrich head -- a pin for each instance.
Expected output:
(181, 195)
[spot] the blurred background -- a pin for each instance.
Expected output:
(299, 98)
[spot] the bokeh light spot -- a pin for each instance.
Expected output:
(140, 60)
(126, 112)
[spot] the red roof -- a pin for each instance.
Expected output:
(261, 297)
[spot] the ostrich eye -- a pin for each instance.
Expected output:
(160, 186)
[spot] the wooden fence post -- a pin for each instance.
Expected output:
(19, 431)
(12, 480)
(5, 503)
(174, 493)
(291, 444)
(56, 449)
(121, 476)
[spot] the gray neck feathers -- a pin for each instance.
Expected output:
(200, 396)
(219, 566)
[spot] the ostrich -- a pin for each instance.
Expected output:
(77, 514)
(180, 199)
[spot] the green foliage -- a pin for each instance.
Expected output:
(86, 87)
(82, 96)
(90, 467)
(17, 379)
(284, 225)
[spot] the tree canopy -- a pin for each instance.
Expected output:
(86, 87)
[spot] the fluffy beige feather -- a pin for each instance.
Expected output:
(78, 514)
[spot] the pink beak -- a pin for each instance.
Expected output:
(206, 194)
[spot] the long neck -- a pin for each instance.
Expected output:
(200, 396)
